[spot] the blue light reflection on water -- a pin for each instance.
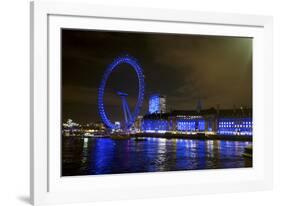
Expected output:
(107, 156)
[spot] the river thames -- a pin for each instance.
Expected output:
(94, 156)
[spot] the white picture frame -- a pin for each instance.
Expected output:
(47, 186)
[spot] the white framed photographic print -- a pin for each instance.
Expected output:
(140, 102)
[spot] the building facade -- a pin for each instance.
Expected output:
(210, 121)
(157, 104)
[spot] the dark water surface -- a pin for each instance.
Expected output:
(89, 156)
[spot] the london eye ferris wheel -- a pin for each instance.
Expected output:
(129, 117)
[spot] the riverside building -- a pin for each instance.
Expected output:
(208, 121)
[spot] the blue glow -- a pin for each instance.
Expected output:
(154, 103)
(226, 126)
(191, 125)
(155, 125)
(186, 125)
(201, 125)
(235, 126)
(157, 104)
(134, 64)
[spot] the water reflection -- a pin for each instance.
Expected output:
(87, 156)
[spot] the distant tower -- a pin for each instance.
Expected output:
(234, 109)
(199, 106)
(218, 109)
(157, 104)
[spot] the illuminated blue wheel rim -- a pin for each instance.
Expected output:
(113, 66)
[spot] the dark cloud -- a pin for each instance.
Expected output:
(185, 68)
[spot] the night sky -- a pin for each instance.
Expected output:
(215, 69)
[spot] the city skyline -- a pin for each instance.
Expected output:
(184, 68)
